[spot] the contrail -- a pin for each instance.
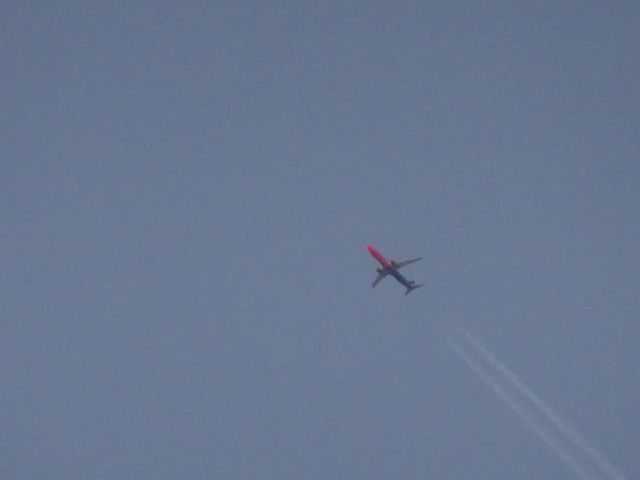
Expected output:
(562, 425)
(523, 414)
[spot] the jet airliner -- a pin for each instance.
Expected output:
(391, 267)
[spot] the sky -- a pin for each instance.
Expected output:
(187, 192)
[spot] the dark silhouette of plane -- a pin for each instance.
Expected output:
(390, 267)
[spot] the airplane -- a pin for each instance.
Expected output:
(391, 267)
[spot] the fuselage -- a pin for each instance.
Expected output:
(391, 267)
(388, 267)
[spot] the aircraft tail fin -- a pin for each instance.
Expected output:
(412, 287)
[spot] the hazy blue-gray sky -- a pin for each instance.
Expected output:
(187, 192)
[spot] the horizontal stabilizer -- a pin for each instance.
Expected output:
(412, 287)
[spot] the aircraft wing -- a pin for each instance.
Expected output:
(379, 278)
(406, 262)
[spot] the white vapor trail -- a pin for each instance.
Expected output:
(523, 414)
(562, 425)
